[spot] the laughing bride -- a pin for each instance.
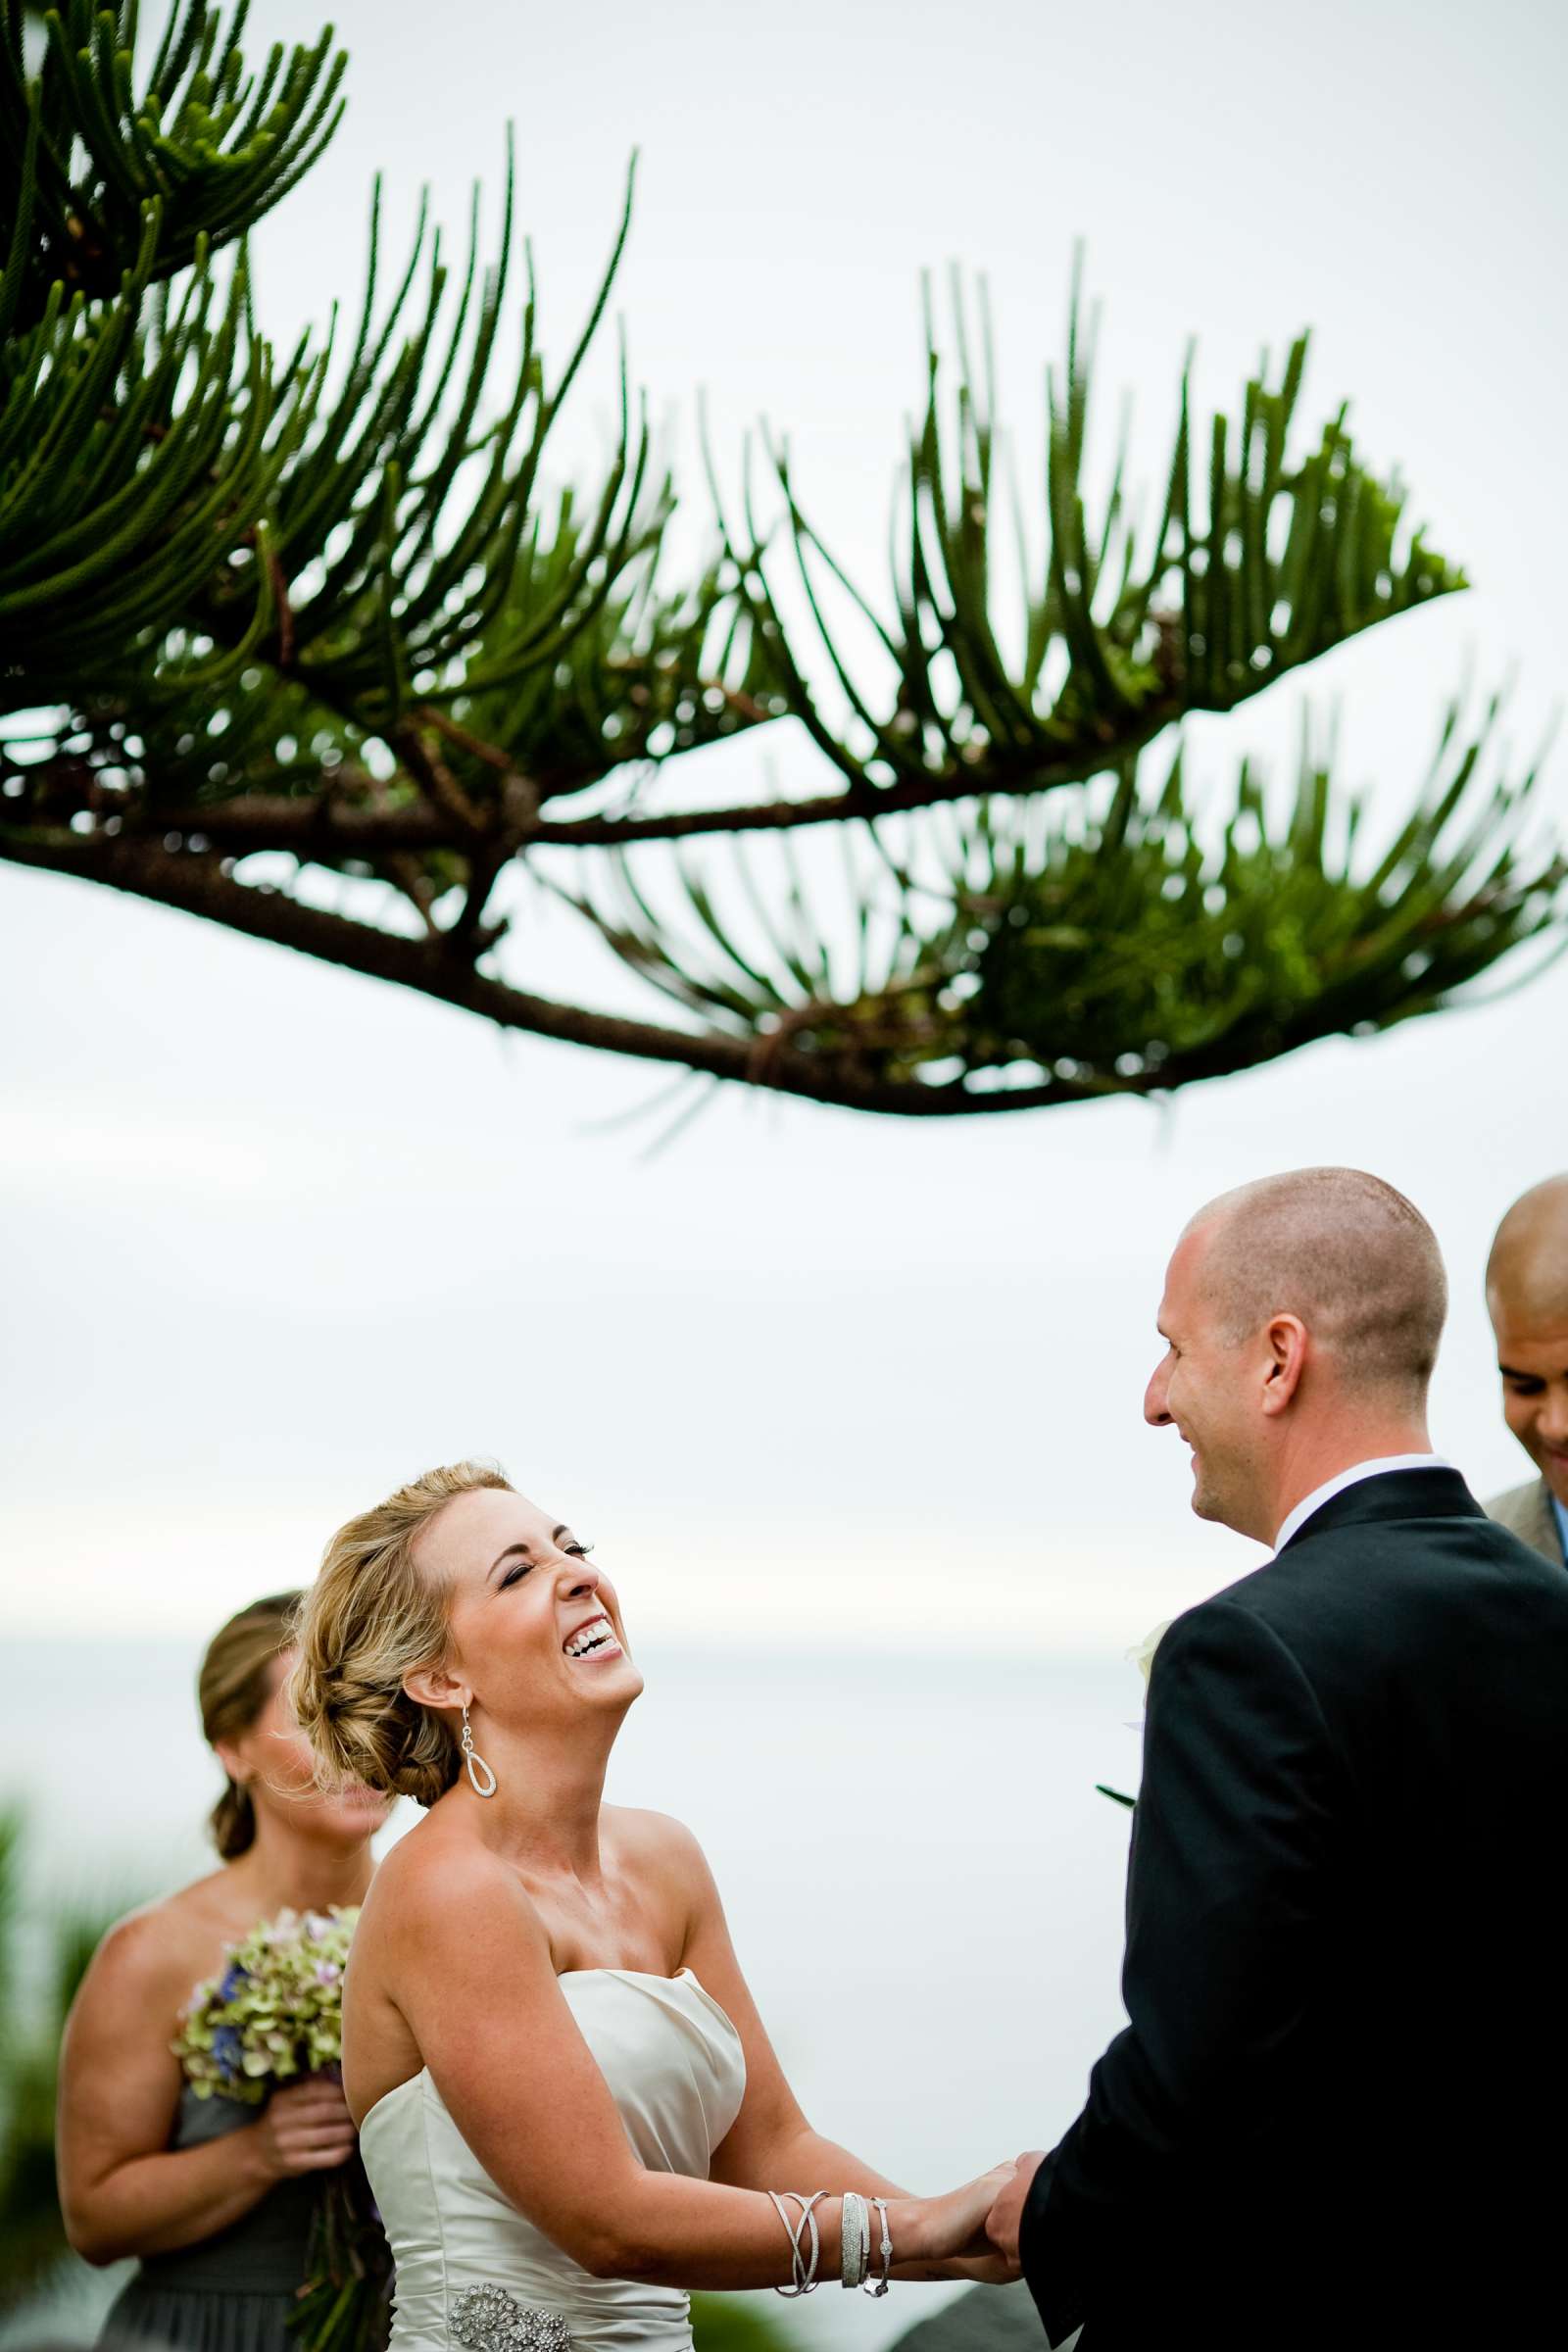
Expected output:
(568, 2104)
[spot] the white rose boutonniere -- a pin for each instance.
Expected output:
(1142, 1656)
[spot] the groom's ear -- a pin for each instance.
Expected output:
(1284, 1337)
(433, 1687)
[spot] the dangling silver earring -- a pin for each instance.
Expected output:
(481, 1778)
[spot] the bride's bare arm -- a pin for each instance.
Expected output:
(772, 2144)
(464, 1957)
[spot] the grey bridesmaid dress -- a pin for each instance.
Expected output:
(234, 2291)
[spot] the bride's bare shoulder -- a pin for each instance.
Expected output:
(437, 1872)
(657, 1840)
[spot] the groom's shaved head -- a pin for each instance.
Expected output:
(1342, 1250)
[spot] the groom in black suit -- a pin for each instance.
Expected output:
(1337, 2117)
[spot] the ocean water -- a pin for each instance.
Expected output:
(923, 1886)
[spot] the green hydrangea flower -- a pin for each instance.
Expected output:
(274, 2012)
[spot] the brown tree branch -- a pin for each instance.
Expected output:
(449, 821)
(995, 774)
(408, 875)
(437, 782)
(279, 821)
(280, 602)
(194, 883)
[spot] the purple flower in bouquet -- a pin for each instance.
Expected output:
(228, 2053)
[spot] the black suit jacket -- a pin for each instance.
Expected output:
(1338, 2115)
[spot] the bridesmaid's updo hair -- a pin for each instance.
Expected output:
(232, 1687)
(371, 1617)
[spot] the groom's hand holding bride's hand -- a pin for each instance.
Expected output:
(1007, 2214)
(945, 2237)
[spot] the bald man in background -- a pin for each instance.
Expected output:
(1334, 2122)
(1527, 1299)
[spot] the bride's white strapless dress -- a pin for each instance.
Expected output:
(470, 2270)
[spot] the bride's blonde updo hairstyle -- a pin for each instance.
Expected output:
(371, 1617)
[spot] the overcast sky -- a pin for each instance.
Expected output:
(279, 1238)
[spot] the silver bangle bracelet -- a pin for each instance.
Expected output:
(855, 2240)
(803, 2266)
(885, 2249)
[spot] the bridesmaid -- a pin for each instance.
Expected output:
(215, 2198)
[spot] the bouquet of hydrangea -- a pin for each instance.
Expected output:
(275, 2015)
(276, 2012)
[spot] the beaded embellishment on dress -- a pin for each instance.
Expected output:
(486, 2319)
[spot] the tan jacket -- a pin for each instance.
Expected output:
(1528, 1511)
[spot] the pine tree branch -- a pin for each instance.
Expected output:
(312, 824)
(993, 665)
(83, 152)
(996, 779)
(325, 823)
(1062, 970)
(194, 883)
(326, 608)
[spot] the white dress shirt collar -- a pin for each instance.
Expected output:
(1352, 1478)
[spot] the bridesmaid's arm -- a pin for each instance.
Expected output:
(122, 2190)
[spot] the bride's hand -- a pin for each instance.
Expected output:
(952, 2229)
(985, 2270)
